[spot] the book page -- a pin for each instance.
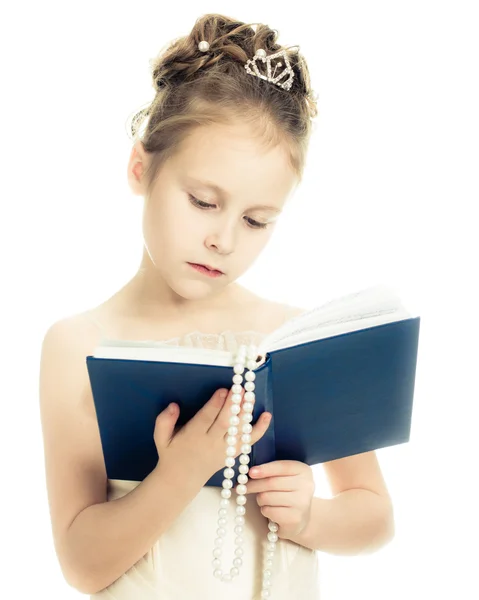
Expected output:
(369, 307)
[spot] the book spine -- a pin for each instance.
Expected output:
(264, 450)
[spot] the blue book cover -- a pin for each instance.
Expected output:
(331, 397)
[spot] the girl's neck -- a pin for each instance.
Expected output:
(129, 313)
(138, 298)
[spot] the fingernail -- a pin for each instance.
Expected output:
(223, 395)
(172, 409)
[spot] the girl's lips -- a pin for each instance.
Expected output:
(205, 270)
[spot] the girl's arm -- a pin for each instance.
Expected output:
(106, 539)
(96, 541)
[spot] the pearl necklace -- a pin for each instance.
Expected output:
(247, 417)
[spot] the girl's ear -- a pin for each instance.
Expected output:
(136, 168)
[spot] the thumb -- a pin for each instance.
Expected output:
(165, 424)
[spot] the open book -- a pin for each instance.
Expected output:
(338, 380)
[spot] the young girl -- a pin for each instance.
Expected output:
(222, 151)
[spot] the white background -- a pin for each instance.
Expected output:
(390, 196)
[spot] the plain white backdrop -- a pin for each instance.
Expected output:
(390, 196)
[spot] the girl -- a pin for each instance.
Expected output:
(222, 151)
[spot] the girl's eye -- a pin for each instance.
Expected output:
(252, 223)
(256, 224)
(199, 203)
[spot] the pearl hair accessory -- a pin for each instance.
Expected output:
(244, 356)
(204, 46)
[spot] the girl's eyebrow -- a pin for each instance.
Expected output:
(222, 193)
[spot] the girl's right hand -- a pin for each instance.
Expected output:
(200, 445)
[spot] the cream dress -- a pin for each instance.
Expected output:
(179, 565)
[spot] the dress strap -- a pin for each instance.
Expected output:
(97, 324)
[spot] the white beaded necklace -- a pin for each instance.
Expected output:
(246, 417)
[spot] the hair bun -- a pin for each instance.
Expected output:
(198, 86)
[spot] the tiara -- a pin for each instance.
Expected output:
(261, 55)
(270, 73)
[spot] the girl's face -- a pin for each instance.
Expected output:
(184, 221)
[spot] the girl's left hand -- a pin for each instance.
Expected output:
(285, 490)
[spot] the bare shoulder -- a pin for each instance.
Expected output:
(79, 327)
(273, 314)
(293, 311)
(91, 324)
(289, 312)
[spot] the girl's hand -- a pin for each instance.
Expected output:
(285, 489)
(198, 448)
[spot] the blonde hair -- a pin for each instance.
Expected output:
(195, 88)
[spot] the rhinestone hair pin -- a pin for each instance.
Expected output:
(252, 67)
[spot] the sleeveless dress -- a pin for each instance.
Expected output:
(179, 565)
